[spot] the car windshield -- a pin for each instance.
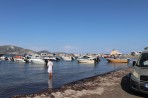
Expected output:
(143, 60)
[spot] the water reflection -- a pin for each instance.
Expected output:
(118, 65)
(87, 65)
(50, 83)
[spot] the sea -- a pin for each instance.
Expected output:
(18, 78)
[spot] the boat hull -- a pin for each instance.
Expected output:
(85, 61)
(117, 60)
(67, 58)
(37, 61)
(20, 60)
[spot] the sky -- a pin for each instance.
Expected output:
(75, 26)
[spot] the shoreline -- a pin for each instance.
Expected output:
(92, 86)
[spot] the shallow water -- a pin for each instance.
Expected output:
(20, 78)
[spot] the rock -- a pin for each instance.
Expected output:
(69, 92)
(58, 95)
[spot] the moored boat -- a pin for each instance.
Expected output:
(117, 60)
(37, 61)
(67, 58)
(20, 60)
(86, 60)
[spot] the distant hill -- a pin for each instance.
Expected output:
(44, 51)
(9, 49)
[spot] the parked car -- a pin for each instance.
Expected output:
(139, 76)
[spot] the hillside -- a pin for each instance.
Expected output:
(9, 49)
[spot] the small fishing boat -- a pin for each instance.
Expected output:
(20, 60)
(37, 61)
(112, 60)
(67, 58)
(86, 60)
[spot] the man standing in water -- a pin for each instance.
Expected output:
(50, 67)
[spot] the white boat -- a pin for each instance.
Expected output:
(37, 61)
(67, 58)
(53, 58)
(2, 58)
(86, 60)
(20, 60)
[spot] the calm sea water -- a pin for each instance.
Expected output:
(20, 78)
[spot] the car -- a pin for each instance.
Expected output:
(139, 76)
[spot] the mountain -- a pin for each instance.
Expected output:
(44, 51)
(9, 49)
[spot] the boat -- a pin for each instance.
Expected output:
(118, 60)
(37, 61)
(86, 60)
(2, 58)
(54, 59)
(20, 60)
(67, 58)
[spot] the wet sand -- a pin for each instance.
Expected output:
(113, 84)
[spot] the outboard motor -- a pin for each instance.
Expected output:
(46, 62)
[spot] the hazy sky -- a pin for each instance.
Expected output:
(78, 26)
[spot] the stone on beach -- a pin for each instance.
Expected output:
(58, 95)
(69, 92)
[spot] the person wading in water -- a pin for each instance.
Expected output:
(50, 67)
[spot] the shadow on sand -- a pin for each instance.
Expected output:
(125, 85)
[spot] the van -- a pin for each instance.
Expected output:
(139, 76)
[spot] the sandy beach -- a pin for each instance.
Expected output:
(113, 84)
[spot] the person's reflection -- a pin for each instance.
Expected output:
(50, 83)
